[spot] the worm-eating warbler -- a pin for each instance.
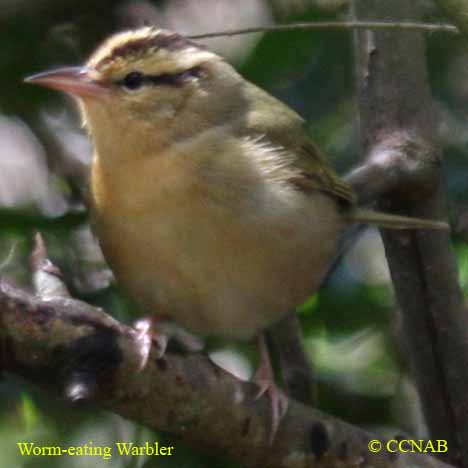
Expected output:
(212, 205)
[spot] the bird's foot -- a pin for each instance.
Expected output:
(156, 331)
(147, 336)
(278, 403)
(264, 378)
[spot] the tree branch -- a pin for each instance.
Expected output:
(393, 163)
(398, 134)
(72, 349)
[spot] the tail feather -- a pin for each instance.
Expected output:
(391, 221)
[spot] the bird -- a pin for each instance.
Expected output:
(212, 205)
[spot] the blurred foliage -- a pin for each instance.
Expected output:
(349, 326)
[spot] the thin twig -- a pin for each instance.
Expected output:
(412, 26)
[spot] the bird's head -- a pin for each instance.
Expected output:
(149, 79)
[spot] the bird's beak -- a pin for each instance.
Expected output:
(73, 80)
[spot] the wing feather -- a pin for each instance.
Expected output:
(283, 128)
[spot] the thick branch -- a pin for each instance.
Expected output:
(75, 350)
(398, 134)
(393, 164)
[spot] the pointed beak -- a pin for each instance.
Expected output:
(72, 80)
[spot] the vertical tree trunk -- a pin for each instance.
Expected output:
(398, 132)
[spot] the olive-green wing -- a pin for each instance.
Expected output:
(314, 173)
(278, 124)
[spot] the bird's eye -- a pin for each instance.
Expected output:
(133, 80)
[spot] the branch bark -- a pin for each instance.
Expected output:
(398, 132)
(72, 349)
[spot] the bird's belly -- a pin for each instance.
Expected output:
(216, 274)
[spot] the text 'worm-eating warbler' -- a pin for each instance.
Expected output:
(212, 205)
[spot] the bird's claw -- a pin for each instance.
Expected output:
(264, 378)
(146, 337)
(278, 403)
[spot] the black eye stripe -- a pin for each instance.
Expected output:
(135, 79)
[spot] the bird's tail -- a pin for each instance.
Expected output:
(391, 221)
